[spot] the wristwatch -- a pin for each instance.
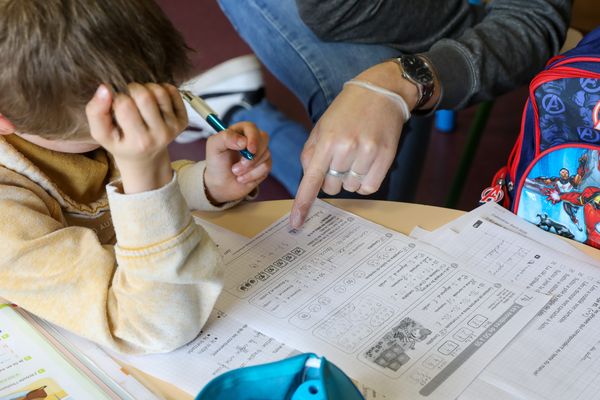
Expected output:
(417, 70)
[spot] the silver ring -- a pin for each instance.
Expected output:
(356, 175)
(336, 174)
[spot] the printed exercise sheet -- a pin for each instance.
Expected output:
(395, 314)
(500, 216)
(223, 344)
(558, 355)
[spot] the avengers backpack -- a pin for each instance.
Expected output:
(552, 178)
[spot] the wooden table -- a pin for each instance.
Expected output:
(251, 218)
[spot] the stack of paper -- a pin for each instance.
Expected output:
(478, 309)
(557, 356)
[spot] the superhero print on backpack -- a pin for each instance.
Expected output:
(553, 174)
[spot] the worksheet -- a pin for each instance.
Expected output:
(226, 240)
(224, 343)
(500, 216)
(395, 314)
(558, 355)
(30, 368)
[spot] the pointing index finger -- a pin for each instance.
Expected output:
(310, 185)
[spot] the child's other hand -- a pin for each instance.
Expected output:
(228, 175)
(145, 121)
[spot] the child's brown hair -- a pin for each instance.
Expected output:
(55, 53)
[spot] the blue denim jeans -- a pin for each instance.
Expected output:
(286, 140)
(315, 72)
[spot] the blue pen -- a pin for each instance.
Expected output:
(209, 115)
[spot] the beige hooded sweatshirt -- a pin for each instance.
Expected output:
(131, 272)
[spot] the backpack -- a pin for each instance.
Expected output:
(552, 178)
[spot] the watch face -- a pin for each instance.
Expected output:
(416, 68)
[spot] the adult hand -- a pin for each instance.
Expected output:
(228, 175)
(145, 121)
(358, 136)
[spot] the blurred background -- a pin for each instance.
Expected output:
(214, 40)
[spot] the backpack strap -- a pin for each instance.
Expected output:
(589, 46)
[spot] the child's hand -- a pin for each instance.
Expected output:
(145, 122)
(228, 175)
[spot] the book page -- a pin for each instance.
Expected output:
(92, 358)
(395, 314)
(30, 368)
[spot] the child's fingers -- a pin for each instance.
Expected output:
(241, 170)
(263, 142)
(256, 141)
(163, 98)
(148, 108)
(244, 165)
(225, 141)
(178, 106)
(261, 146)
(255, 138)
(128, 117)
(255, 174)
(98, 112)
(260, 154)
(168, 107)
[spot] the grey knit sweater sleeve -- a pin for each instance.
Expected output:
(478, 53)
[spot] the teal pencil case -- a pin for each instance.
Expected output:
(302, 377)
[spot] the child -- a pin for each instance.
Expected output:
(99, 240)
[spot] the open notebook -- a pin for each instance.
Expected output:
(36, 364)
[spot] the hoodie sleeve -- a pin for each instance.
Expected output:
(151, 292)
